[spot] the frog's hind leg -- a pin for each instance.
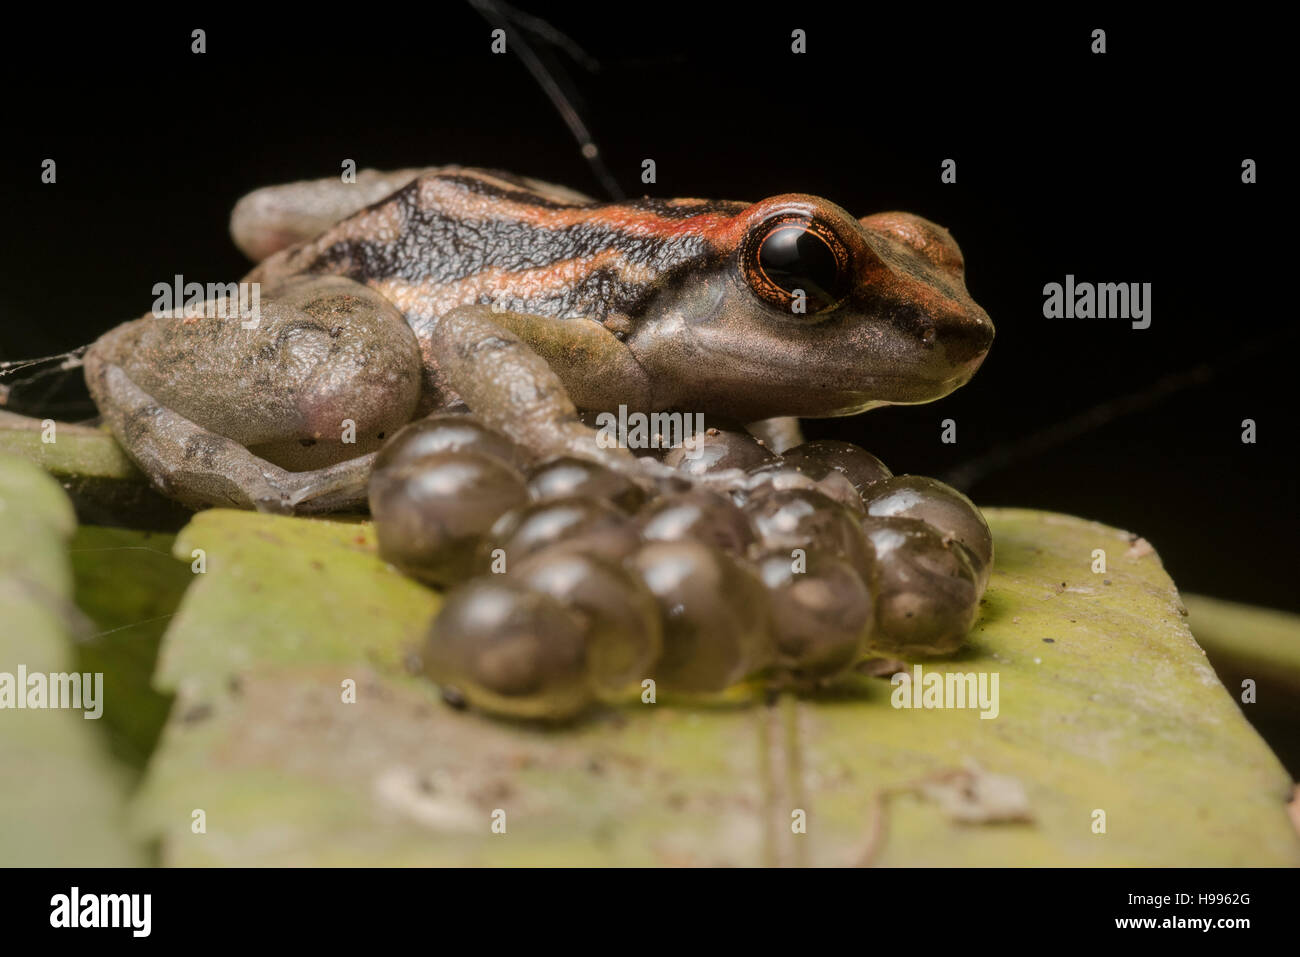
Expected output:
(200, 468)
(281, 415)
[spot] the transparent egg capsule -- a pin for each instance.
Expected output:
(716, 450)
(858, 465)
(925, 586)
(804, 519)
(509, 650)
(954, 515)
(714, 613)
(585, 524)
(430, 513)
(570, 477)
(447, 432)
(699, 516)
(621, 619)
(822, 613)
(785, 474)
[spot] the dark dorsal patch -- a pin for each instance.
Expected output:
(682, 209)
(629, 247)
(523, 195)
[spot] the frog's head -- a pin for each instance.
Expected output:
(805, 310)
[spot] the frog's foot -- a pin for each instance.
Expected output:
(200, 468)
(520, 374)
(780, 435)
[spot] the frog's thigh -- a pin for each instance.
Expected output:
(325, 374)
(329, 372)
(512, 370)
(201, 468)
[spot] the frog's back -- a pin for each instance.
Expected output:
(451, 236)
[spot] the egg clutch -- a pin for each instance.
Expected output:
(570, 585)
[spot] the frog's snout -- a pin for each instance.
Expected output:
(923, 273)
(966, 338)
(966, 350)
(942, 347)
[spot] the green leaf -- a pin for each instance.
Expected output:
(129, 585)
(104, 485)
(277, 591)
(1106, 704)
(61, 798)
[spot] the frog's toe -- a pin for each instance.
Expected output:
(273, 501)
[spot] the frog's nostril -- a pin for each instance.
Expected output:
(953, 338)
(966, 340)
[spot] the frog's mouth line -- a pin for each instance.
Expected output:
(931, 389)
(880, 390)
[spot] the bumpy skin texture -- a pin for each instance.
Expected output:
(526, 301)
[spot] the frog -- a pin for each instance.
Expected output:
(407, 293)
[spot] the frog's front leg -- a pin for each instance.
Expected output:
(284, 416)
(523, 374)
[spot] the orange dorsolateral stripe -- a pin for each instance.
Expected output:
(537, 283)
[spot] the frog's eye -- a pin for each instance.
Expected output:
(797, 264)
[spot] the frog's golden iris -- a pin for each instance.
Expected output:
(791, 254)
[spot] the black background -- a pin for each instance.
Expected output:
(1117, 168)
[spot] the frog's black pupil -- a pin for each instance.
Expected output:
(796, 258)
